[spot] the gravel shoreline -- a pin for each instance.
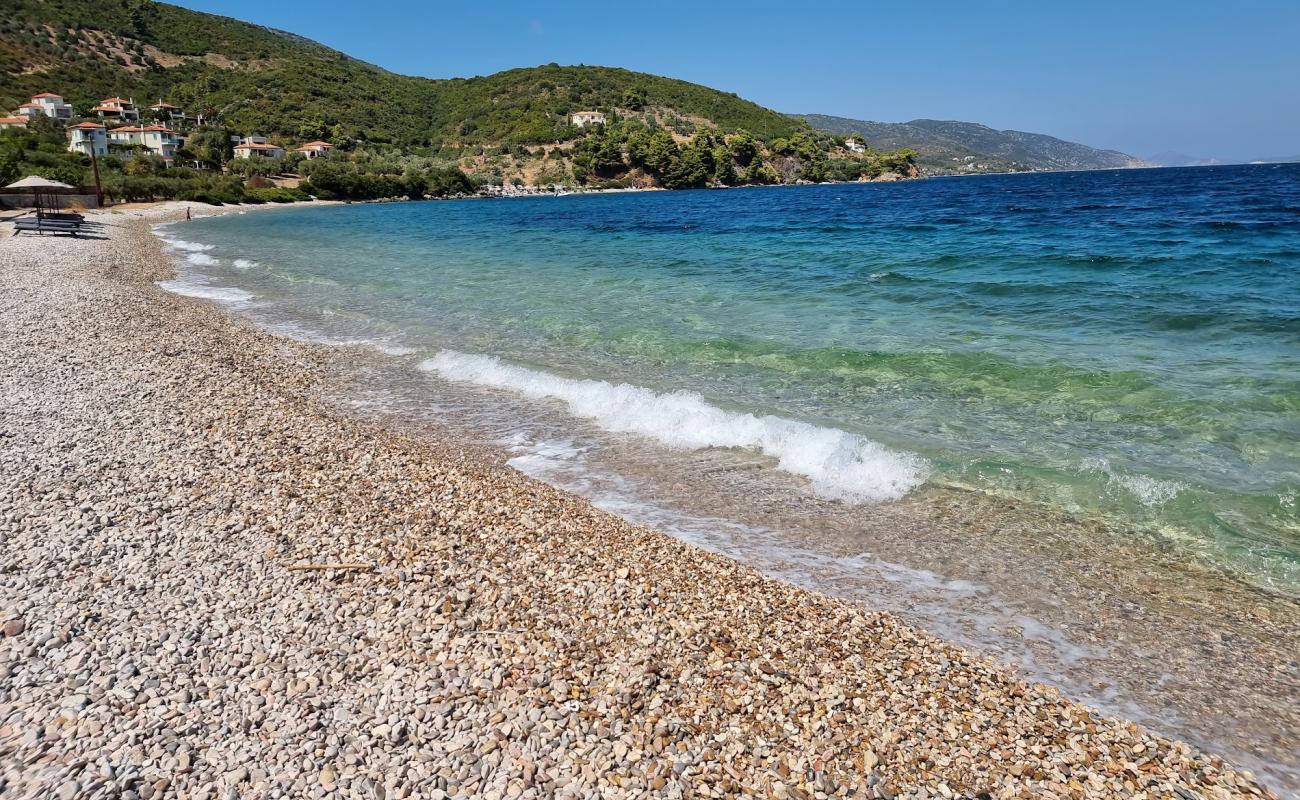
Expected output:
(216, 585)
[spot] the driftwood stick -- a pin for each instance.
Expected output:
(315, 567)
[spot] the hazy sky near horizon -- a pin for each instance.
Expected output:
(1210, 79)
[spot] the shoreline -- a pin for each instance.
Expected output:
(474, 592)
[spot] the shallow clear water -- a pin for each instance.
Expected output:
(1124, 345)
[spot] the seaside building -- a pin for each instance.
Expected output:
(172, 112)
(47, 103)
(160, 140)
(584, 118)
(13, 122)
(855, 146)
(315, 149)
(117, 108)
(90, 138)
(247, 149)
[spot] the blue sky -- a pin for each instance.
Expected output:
(1211, 79)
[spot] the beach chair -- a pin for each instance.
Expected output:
(60, 216)
(44, 226)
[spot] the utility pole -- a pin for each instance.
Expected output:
(94, 165)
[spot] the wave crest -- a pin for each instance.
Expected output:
(838, 464)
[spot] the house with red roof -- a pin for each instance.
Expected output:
(118, 108)
(252, 149)
(315, 149)
(161, 140)
(47, 103)
(13, 122)
(172, 112)
(90, 138)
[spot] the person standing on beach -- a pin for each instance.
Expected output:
(187, 213)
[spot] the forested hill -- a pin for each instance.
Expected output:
(949, 146)
(254, 78)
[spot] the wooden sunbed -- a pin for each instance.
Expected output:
(44, 226)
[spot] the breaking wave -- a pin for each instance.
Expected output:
(838, 464)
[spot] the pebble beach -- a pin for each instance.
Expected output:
(216, 584)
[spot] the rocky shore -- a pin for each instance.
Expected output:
(213, 584)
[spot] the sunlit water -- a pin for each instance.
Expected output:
(829, 364)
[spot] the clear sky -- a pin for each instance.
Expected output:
(1210, 79)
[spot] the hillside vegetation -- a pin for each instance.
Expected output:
(947, 147)
(252, 77)
(395, 134)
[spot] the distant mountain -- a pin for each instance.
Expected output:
(951, 147)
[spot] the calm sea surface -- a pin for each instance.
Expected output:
(1116, 350)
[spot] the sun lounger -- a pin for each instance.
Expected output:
(44, 226)
(60, 216)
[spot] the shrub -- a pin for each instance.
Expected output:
(275, 194)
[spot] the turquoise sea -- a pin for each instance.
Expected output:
(1119, 343)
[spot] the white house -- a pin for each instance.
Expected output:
(13, 122)
(172, 112)
(855, 145)
(315, 149)
(161, 141)
(89, 138)
(247, 149)
(47, 103)
(584, 118)
(116, 107)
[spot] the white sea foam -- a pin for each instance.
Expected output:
(243, 263)
(189, 247)
(838, 464)
(197, 287)
(1149, 491)
(301, 333)
(202, 260)
(392, 349)
(387, 348)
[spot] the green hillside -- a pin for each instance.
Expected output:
(252, 78)
(394, 135)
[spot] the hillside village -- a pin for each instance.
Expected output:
(145, 101)
(164, 138)
(164, 150)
